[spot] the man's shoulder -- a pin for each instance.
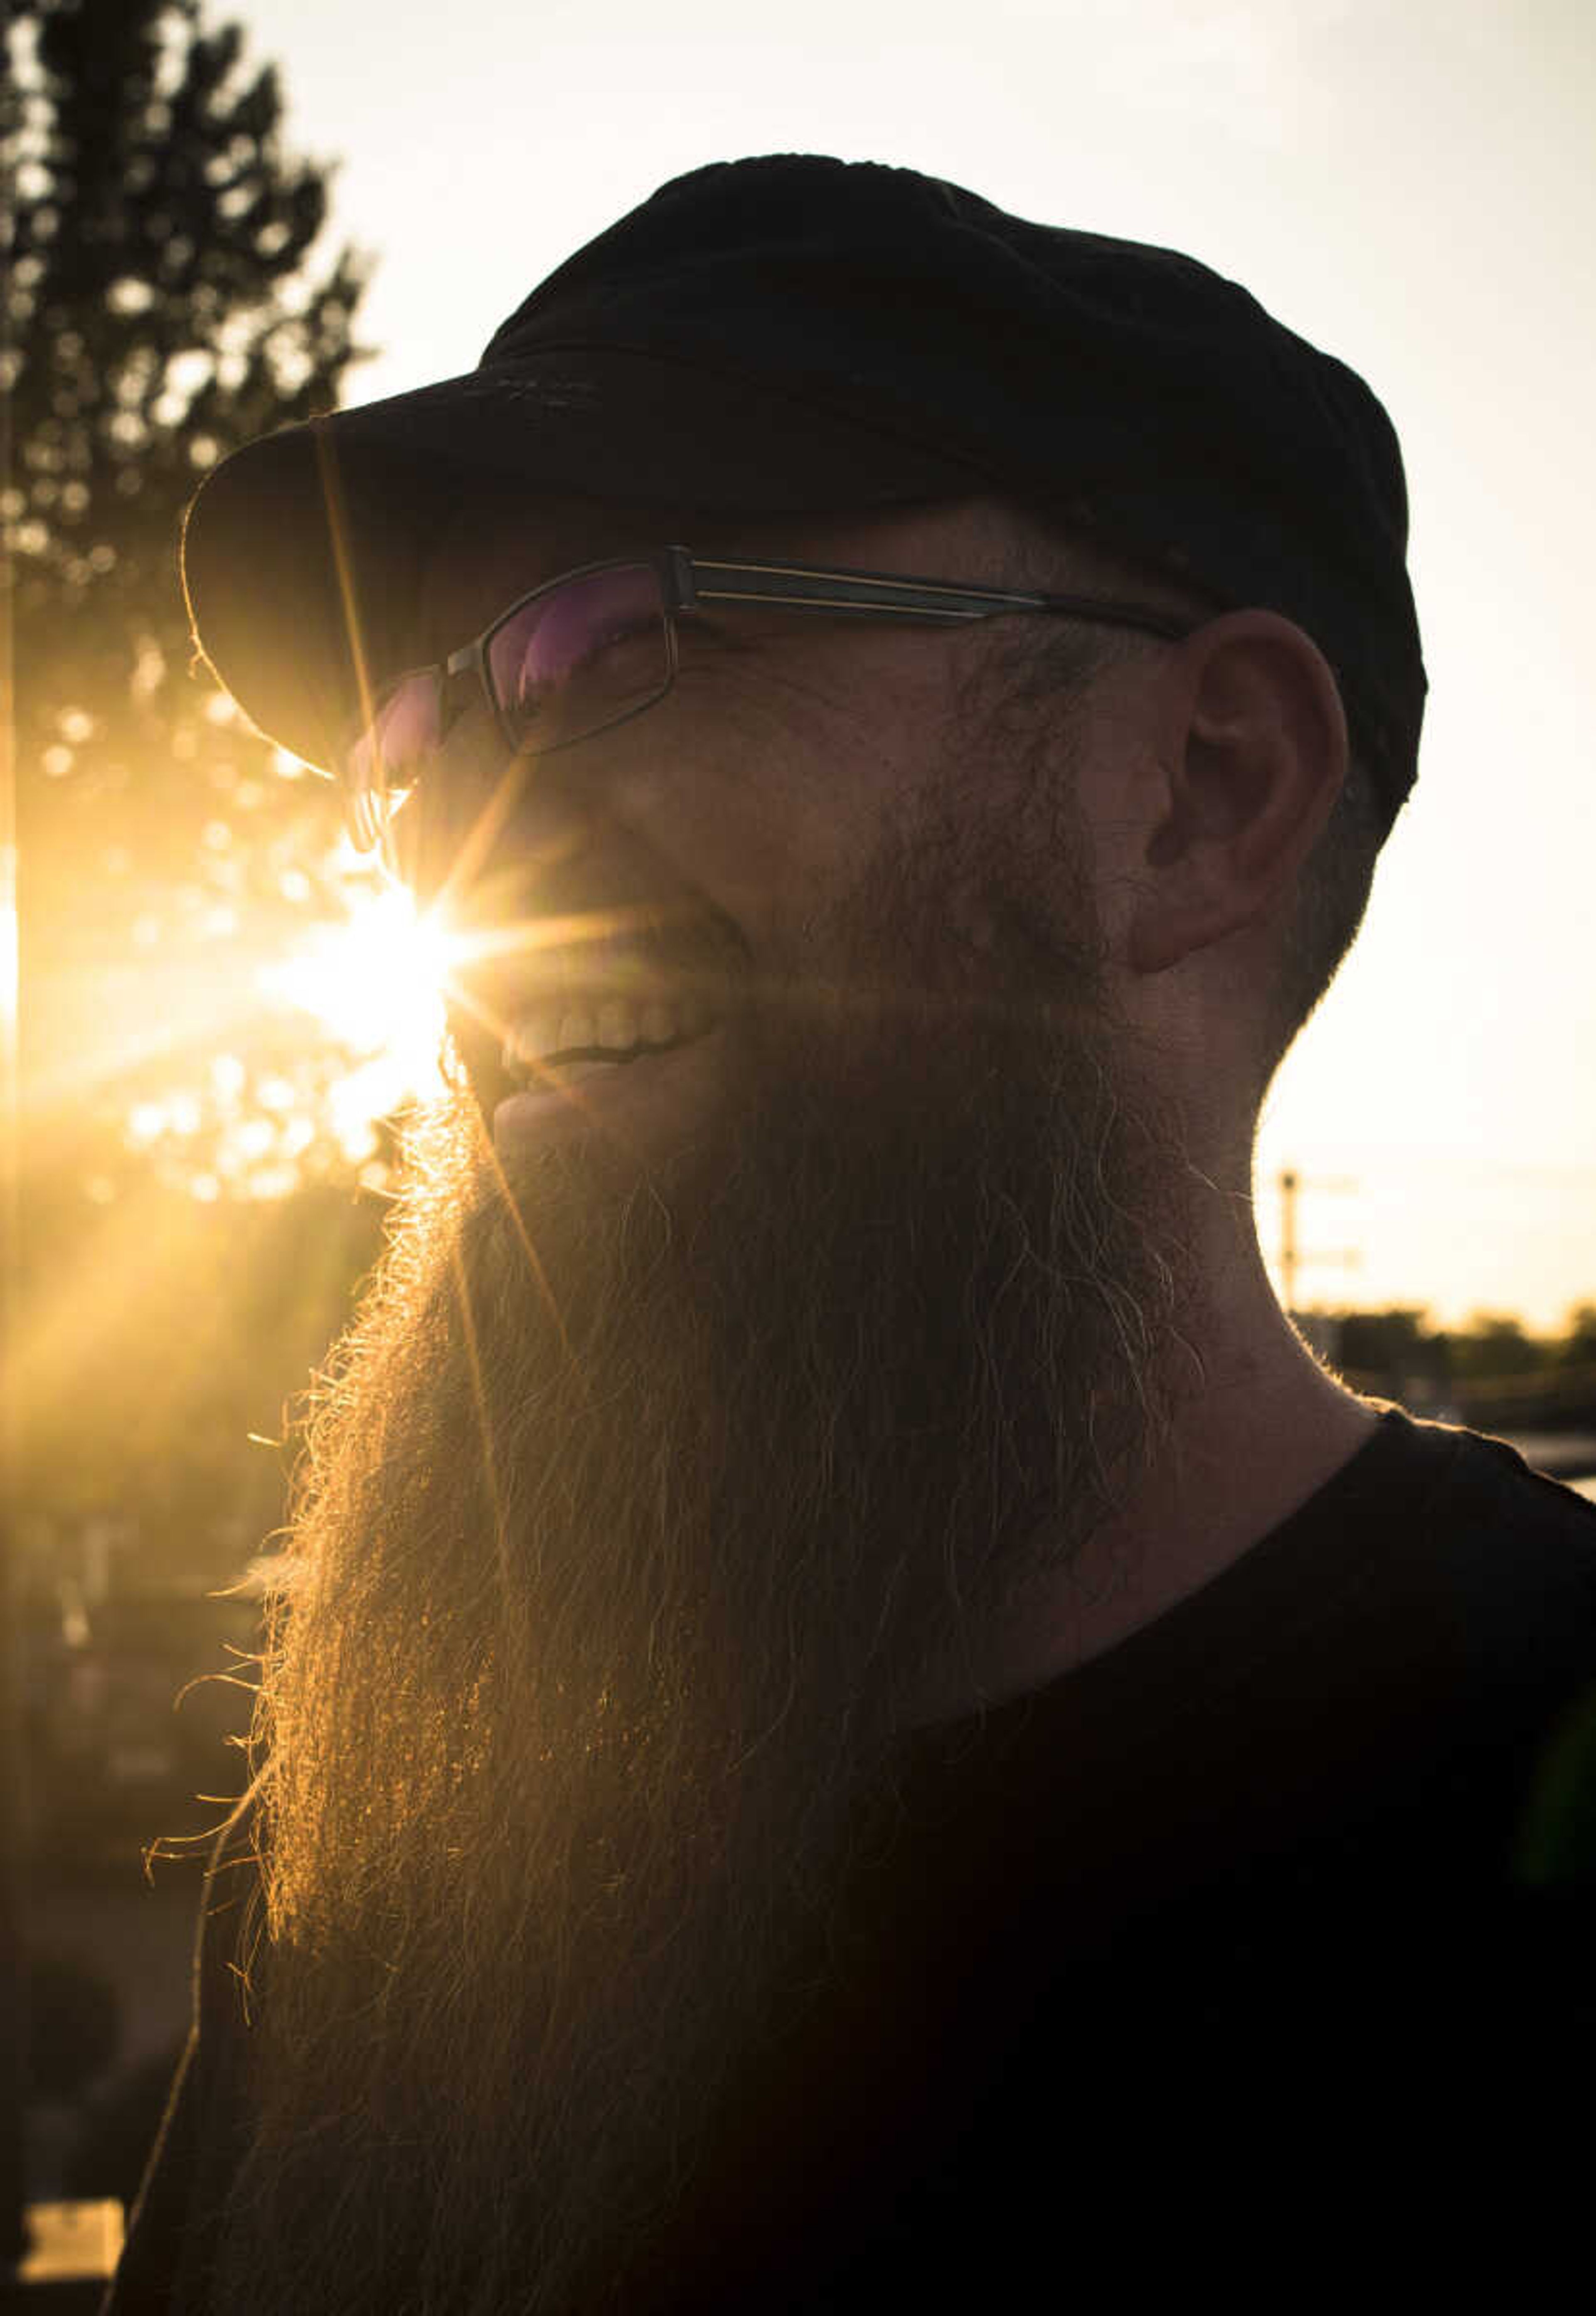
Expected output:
(1456, 1463)
(1481, 1464)
(1514, 1549)
(1507, 1555)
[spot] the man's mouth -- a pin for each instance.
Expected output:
(552, 1030)
(559, 1039)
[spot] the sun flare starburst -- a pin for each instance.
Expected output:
(375, 982)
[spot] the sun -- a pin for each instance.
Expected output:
(375, 982)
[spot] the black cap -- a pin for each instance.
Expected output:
(796, 334)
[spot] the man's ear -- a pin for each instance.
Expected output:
(1253, 745)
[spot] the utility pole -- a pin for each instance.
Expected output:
(1291, 1256)
(1289, 1186)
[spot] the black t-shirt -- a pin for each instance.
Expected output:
(1253, 1956)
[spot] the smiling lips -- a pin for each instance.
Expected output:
(577, 1030)
(592, 980)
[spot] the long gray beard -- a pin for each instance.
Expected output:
(630, 1529)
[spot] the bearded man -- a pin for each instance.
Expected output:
(850, 1713)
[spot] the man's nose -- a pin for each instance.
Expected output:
(481, 815)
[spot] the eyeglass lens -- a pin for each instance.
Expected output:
(579, 658)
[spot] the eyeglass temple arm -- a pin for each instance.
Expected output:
(801, 586)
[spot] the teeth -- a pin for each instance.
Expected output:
(617, 1022)
(617, 1025)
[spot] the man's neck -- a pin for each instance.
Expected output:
(1264, 1431)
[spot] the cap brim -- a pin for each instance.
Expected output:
(303, 553)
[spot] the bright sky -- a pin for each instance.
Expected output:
(1410, 183)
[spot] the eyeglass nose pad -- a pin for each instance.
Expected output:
(463, 683)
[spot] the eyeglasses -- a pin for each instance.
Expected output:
(597, 646)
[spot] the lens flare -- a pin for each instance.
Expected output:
(375, 982)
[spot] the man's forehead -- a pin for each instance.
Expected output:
(502, 545)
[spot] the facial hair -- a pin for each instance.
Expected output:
(636, 1515)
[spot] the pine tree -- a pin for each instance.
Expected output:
(162, 304)
(159, 313)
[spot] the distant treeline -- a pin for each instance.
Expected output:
(1490, 1369)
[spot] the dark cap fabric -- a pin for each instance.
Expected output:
(800, 334)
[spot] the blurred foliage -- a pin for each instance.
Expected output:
(1387, 1342)
(190, 1222)
(158, 314)
(1494, 1345)
(1397, 1349)
(1578, 1345)
(162, 1332)
(161, 306)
